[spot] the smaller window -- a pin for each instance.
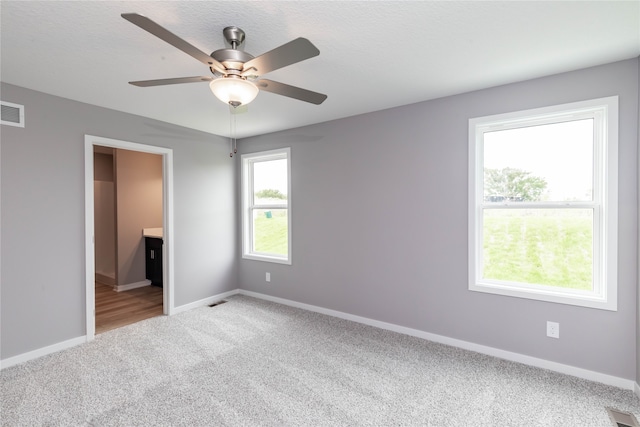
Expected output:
(266, 206)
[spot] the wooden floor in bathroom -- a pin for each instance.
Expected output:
(117, 309)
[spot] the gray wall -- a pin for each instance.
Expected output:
(42, 197)
(379, 205)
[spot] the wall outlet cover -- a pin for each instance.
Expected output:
(553, 329)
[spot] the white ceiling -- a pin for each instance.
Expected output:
(373, 54)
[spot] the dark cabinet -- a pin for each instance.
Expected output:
(153, 250)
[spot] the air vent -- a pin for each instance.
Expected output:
(12, 114)
(622, 419)
(217, 303)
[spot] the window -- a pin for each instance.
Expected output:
(266, 206)
(543, 204)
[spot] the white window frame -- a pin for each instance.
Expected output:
(604, 111)
(248, 206)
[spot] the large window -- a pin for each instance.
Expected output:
(266, 206)
(543, 204)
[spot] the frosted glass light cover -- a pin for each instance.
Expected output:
(234, 90)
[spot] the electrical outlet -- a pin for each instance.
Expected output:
(268, 277)
(553, 329)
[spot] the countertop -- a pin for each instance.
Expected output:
(152, 232)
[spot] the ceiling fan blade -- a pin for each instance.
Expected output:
(161, 82)
(175, 41)
(291, 91)
(289, 53)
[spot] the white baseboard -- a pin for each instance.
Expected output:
(636, 389)
(203, 302)
(129, 286)
(490, 351)
(24, 357)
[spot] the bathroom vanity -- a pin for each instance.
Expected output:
(153, 240)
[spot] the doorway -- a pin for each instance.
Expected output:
(90, 234)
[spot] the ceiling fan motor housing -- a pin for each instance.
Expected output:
(232, 59)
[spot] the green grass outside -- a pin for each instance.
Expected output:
(271, 234)
(546, 249)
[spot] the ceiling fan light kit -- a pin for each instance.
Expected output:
(234, 91)
(235, 71)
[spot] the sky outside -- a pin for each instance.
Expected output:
(270, 174)
(561, 153)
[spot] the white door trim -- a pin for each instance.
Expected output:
(167, 218)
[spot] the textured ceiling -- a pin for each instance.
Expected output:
(373, 55)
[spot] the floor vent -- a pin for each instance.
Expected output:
(622, 419)
(222, 302)
(12, 114)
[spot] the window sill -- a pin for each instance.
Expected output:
(267, 258)
(558, 296)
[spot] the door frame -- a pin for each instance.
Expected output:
(167, 222)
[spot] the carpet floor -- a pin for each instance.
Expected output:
(250, 362)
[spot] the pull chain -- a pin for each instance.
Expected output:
(230, 131)
(233, 142)
(235, 135)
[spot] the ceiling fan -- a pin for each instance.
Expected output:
(236, 73)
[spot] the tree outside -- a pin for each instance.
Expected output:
(270, 193)
(511, 184)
